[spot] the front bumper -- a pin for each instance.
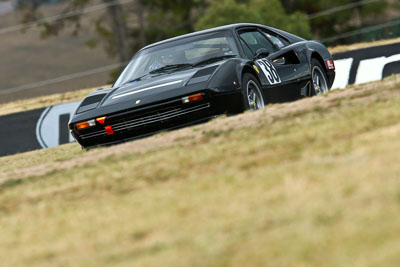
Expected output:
(170, 114)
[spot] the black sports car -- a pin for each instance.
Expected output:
(198, 76)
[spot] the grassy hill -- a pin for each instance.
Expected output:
(309, 183)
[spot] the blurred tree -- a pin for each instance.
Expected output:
(269, 13)
(111, 28)
(169, 18)
(331, 24)
(123, 29)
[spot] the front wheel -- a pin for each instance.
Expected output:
(319, 82)
(252, 96)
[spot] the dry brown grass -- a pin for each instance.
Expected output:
(44, 101)
(344, 48)
(309, 183)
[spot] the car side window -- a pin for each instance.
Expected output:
(277, 40)
(254, 41)
(246, 50)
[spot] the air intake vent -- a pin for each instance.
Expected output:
(92, 99)
(205, 72)
(90, 103)
(202, 75)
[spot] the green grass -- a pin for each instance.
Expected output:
(309, 183)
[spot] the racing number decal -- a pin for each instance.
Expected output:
(269, 71)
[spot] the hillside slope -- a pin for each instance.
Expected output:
(27, 59)
(309, 183)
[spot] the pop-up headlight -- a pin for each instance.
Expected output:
(90, 102)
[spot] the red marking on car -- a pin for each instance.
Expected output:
(101, 120)
(330, 64)
(109, 130)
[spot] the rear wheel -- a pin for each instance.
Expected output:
(319, 79)
(252, 95)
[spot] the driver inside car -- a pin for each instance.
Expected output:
(164, 60)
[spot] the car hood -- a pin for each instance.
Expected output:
(153, 88)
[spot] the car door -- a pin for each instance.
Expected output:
(278, 71)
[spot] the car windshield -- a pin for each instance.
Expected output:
(179, 54)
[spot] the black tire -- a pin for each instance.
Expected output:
(253, 98)
(319, 80)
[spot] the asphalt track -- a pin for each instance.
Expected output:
(17, 132)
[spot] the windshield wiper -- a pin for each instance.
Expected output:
(136, 79)
(171, 67)
(212, 59)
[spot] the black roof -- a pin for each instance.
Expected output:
(225, 27)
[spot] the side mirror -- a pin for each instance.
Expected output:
(262, 52)
(280, 61)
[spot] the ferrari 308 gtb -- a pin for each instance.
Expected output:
(197, 76)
